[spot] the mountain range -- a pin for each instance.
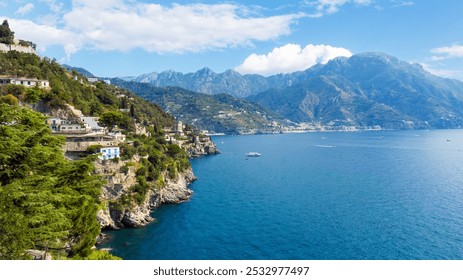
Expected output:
(364, 90)
(219, 113)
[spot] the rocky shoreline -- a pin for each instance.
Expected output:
(176, 190)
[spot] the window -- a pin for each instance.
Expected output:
(103, 151)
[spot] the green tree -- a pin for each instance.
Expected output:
(112, 118)
(6, 35)
(45, 200)
(9, 99)
(33, 94)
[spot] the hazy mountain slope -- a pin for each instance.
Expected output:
(370, 89)
(221, 113)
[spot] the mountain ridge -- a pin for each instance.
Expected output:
(232, 82)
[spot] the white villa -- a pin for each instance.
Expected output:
(27, 82)
(65, 126)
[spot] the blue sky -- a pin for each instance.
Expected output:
(131, 37)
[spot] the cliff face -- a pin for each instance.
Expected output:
(114, 216)
(16, 47)
(200, 146)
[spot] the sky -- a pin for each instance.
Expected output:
(113, 38)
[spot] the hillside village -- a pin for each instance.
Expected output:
(84, 133)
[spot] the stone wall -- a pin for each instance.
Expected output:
(82, 146)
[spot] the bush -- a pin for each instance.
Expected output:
(94, 149)
(101, 255)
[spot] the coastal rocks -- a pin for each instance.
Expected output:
(104, 219)
(176, 191)
(114, 216)
(137, 217)
(200, 146)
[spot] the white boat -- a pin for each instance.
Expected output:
(253, 154)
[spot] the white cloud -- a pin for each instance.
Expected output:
(54, 5)
(400, 3)
(25, 9)
(290, 58)
(454, 51)
(179, 28)
(324, 7)
(123, 25)
(446, 73)
(45, 35)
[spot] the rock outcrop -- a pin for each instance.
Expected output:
(17, 47)
(200, 146)
(114, 215)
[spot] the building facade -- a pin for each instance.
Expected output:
(27, 82)
(109, 153)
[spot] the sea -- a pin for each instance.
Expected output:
(369, 195)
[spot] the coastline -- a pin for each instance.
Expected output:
(175, 190)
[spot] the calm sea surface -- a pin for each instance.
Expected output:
(360, 195)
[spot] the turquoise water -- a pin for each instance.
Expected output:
(361, 195)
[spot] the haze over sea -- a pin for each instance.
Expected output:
(357, 195)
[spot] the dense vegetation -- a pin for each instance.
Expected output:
(46, 201)
(72, 88)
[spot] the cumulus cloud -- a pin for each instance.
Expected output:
(179, 28)
(45, 35)
(123, 25)
(454, 51)
(25, 9)
(324, 7)
(290, 58)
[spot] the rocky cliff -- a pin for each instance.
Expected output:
(116, 215)
(121, 177)
(17, 47)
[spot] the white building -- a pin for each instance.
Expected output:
(65, 126)
(92, 124)
(92, 80)
(27, 82)
(109, 153)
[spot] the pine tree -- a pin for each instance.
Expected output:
(6, 35)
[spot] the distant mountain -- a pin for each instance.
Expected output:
(204, 81)
(369, 89)
(220, 113)
(80, 70)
